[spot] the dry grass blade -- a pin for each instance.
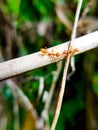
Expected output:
(60, 98)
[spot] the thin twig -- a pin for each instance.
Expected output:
(50, 95)
(41, 87)
(75, 23)
(63, 18)
(60, 98)
(22, 98)
(16, 113)
(72, 64)
(58, 108)
(55, 78)
(87, 8)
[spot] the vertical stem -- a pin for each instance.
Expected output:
(61, 94)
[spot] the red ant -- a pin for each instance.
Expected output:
(57, 54)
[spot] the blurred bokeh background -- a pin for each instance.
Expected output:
(25, 27)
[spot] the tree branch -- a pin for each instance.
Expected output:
(26, 63)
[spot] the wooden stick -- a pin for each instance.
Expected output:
(26, 63)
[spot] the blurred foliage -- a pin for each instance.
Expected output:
(26, 17)
(13, 7)
(95, 83)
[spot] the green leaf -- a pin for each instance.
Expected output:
(44, 7)
(60, 1)
(27, 11)
(95, 83)
(13, 6)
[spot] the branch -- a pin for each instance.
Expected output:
(26, 63)
(63, 18)
(16, 91)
